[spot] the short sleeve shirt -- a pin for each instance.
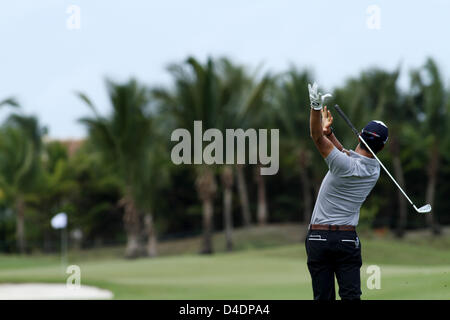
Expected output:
(345, 187)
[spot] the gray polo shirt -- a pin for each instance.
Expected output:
(344, 188)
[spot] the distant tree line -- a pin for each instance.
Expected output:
(120, 186)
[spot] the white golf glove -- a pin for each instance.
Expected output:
(317, 99)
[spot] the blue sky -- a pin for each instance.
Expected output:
(43, 62)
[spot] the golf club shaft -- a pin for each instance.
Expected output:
(386, 170)
(342, 114)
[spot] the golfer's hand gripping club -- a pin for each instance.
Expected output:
(327, 121)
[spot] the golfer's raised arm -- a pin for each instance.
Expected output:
(335, 141)
(315, 128)
(315, 121)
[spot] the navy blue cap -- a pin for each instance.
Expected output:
(375, 130)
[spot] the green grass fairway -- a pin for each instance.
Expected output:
(408, 271)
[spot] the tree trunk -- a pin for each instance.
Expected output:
(261, 213)
(306, 187)
(398, 172)
(132, 225)
(47, 245)
(433, 169)
(227, 181)
(206, 188)
(150, 230)
(243, 195)
(20, 224)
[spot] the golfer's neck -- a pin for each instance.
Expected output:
(363, 152)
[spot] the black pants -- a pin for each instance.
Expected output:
(333, 253)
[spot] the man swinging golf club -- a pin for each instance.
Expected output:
(332, 244)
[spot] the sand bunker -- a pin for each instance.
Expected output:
(50, 291)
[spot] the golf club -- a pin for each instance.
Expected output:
(424, 209)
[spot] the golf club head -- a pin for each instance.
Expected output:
(424, 209)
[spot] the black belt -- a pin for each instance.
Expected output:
(331, 227)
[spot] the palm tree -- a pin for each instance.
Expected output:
(123, 139)
(9, 102)
(391, 105)
(211, 93)
(236, 84)
(247, 97)
(293, 116)
(227, 182)
(54, 188)
(250, 107)
(262, 116)
(154, 177)
(196, 96)
(243, 195)
(262, 210)
(430, 97)
(20, 152)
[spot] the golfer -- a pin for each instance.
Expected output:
(332, 245)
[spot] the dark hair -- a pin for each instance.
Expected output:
(374, 143)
